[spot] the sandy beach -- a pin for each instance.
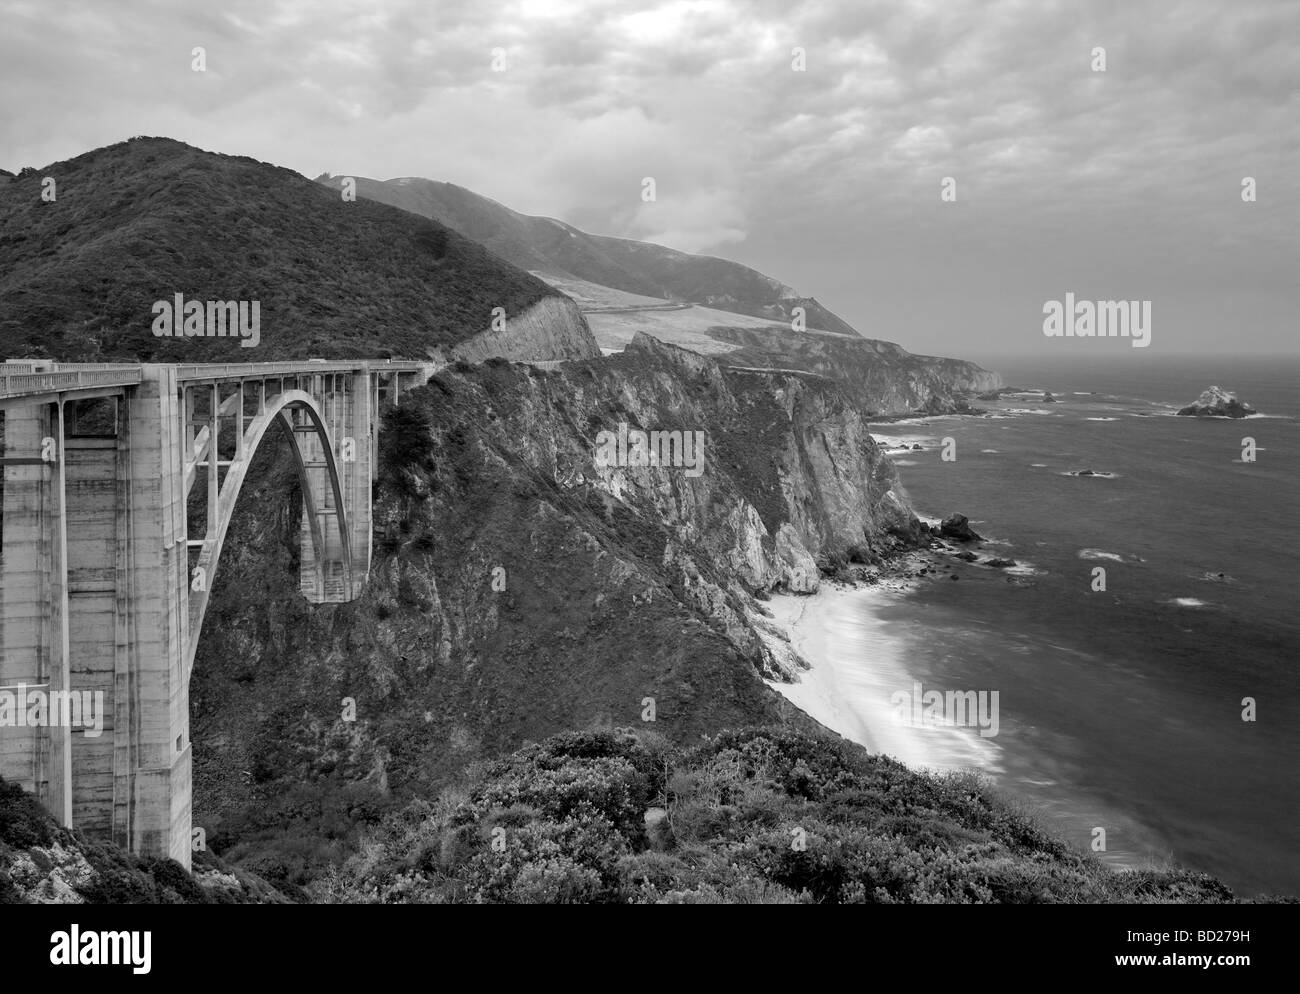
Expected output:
(859, 660)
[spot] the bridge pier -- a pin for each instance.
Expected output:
(151, 769)
(33, 601)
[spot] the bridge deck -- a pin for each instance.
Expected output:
(31, 379)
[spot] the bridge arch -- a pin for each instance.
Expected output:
(302, 416)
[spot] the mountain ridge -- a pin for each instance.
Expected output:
(142, 220)
(741, 316)
(628, 264)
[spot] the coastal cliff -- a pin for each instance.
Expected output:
(883, 378)
(520, 588)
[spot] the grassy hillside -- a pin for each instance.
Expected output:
(556, 249)
(145, 219)
(760, 816)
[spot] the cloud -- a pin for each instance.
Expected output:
(698, 220)
(827, 179)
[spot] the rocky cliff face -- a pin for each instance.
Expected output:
(520, 587)
(884, 378)
(549, 329)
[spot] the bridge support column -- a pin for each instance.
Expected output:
(358, 476)
(94, 500)
(34, 602)
(152, 748)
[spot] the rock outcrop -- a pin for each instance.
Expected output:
(957, 526)
(1217, 403)
(549, 329)
(42, 862)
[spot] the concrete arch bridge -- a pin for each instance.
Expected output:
(104, 577)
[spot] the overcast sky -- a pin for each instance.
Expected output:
(1125, 183)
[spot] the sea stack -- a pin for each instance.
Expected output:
(1217, 403)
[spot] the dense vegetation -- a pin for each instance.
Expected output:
(149, 218)
(41, 861)
(755, 816)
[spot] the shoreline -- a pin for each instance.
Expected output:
(855, 640)
(858, 659)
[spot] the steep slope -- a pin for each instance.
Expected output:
(556, 249)
(620, 818)
(144, 220)
(618, 584)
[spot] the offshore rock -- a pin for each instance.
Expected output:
(1217, 403)
(957, 526)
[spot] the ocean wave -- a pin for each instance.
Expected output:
(904, 441)
(858, 663)
(1099, 554)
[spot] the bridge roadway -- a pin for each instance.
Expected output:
(106, 564)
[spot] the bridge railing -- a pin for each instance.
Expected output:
(72, 367)
(20, 384)
(263, 370)
(24, 378)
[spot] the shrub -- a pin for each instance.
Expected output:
(756, 816)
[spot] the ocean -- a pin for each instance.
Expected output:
(1122, 709)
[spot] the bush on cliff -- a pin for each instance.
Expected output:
(754, 816)
(42, 862)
